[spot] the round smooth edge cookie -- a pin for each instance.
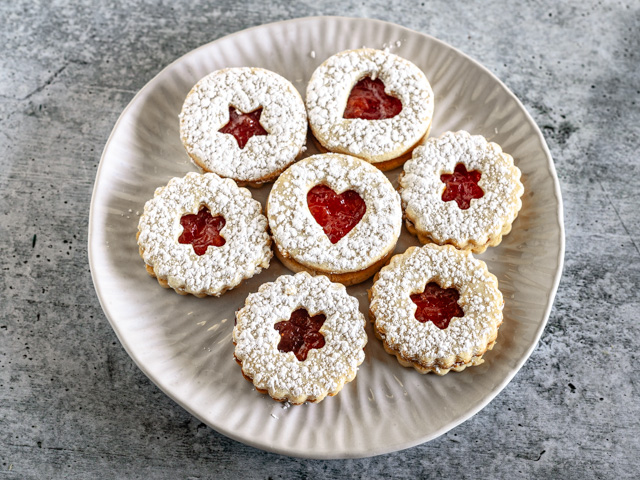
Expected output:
(385, 143)
(487, 219)
(280, 374)
(424, 346)
(247, 248)
(300, 241)
(206, 110)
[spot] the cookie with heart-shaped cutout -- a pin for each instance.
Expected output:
(334, 215)
(371, 104)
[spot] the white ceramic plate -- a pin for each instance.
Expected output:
(183, 344)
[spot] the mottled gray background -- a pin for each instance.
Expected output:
(74, 405)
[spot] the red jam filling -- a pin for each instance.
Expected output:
(202, 230)
(243, 126)
(300, 333)
(369, 101)
(336, 214)
(437, 305)
(462, 186)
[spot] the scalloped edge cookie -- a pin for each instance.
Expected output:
(424, 346)
(247, 249)
(280, 374)
(487, 219)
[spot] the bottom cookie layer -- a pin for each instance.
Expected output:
(347, 279)
(425, 238)
(384, 165)
(264, 391)
(456, 367)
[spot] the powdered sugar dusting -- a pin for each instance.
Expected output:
(407, 274)
(297, 233)
(206, 110)
(246, 251)
(326, 369)
(373, 140)
(421, 189)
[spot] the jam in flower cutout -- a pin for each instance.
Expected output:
(243, 126)
(202, 230)
(300, 333)
(437, 305)
(461, 186)
(336, 214)
(369, 101)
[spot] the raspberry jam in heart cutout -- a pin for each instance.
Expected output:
(336, 214)
(243, 126)
(437, 305)
(300, 333)
(369, 101)
(202, 230)
(461, 186)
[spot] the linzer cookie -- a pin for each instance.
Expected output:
(436, 309)
(248, 124)
(370, 104)
(203, 235)
(300, 338)
(461, 190)
(334, 215)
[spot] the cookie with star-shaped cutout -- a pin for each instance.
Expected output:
(462, 190)
(245, 123)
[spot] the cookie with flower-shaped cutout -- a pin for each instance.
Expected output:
(462, 190)
(203, 235)
(436, 308)
(300, 338)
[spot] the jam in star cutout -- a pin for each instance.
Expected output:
(336, 214)
(202, 230)
(369, 101)
(461, 186)
(300, 333)
(243, 126)
(437, 305)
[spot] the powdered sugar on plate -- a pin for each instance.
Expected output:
(373, 140)
(247, 249)
(206, 111)
(297, 233)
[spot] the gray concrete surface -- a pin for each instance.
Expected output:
(73, 404)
